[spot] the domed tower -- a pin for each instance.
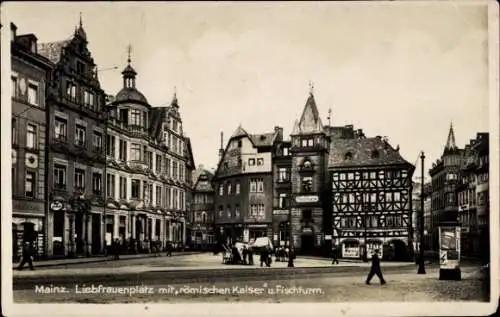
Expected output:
(130, 108)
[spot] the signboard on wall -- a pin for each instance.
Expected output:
(449, 247)
(307, 199)
(371, 247)
(350, 251)
(246, 235)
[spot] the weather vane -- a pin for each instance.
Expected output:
(129, 49)
(311, 87)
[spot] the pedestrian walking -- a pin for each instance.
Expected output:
(27, 256)
(169, 248)
(116, 249)
(375, 269)
(263, 257)
(334, 255)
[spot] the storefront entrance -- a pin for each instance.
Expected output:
(307, 243)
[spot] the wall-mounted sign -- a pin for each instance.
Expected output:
(328, 237)
(56, 205)
(350, 252)
(280, 212)
(307, 230)
(307, 199)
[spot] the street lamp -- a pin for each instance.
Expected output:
(291, 252)
(421, 265)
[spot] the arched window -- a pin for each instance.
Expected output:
(375, 154)
(348, 156)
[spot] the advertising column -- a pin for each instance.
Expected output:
(449, 252)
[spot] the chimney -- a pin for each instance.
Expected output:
(279, 131)
(13, 31)
(221, 149)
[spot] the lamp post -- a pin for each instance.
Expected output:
(291, 250)
(421, 265)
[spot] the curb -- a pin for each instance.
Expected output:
(102, 259)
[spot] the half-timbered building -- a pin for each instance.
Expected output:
(371, 195)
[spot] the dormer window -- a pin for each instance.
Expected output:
(348, 156)
(375, 154)
(80, 68)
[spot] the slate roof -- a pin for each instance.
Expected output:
(204, 186)
(52, 50)
(157, 116)
(130, 94)
(310, 121)
(263, 140)
(360, 152)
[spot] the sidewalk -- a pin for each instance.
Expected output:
(99, 258)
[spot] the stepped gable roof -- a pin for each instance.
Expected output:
(52, 50)
(353, 152)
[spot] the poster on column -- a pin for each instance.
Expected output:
(108, 238)
(449, 247)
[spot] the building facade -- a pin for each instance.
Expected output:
(76, 158)
(202, 212)
(446, 175)
(282, 189)
(417, 212)
(473, 197)
(371, 195)
(310, 205)
(243, 183)
(148, 175)
(30, 76)
(327, 186)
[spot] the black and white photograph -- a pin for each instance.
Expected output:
(243, 158)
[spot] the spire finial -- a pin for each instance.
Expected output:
(450, 143)
(81, 23)
(311, 87)
(129, 51)
(329, 116)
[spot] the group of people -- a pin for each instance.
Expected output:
(247, 257)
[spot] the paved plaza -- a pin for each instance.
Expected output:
(203, 277)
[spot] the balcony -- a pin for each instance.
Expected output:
(80, 190)
(80, 143)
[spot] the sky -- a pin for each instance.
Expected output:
(402, 70)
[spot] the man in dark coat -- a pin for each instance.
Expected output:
(27, 254)
(375, 269)
(263, 257)
(334, 255)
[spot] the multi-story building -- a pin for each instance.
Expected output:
(243, 183)
(417, 213)
(427, 215)
(472, 195)
(327, 185)
(148, 174)
(310, 204)
(76, 161)
(202, 212)
(30, 77)
(371, 194)
(445, 174)
(282, 188)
